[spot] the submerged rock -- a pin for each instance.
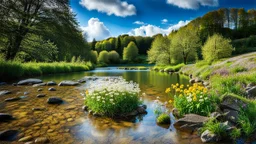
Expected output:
(40, 95)
(8, 135)
(5, 117)
(30, 81)
(54, 100)
(141, 110)
(208, 136)
(51, 83)
(85, 108)
(25, 139)
(52, 89)
(68, 83)
(12, 99)
(4, 92)
(38, 85)
(40, 89)
(27, 122)
(42, 140)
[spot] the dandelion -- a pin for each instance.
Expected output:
(170, 101)
(167, 90)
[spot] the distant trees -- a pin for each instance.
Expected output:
(93, 56)
(216, 47)
(103, 57)
(130, 52)
(113, 57)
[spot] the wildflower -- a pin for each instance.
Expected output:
(177, 84)
(86, 92)
(167, 90)
(201, 100)
(180, 95)
(194, 98)
(170, 101)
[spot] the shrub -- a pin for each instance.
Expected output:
(235, 133)
(216, 127)
(113, 57)
(238, 69)
(130, 52)
(163, 119)
(103, 57)
(193, 99)
(93, 56)
(115, 97)
(216, 47)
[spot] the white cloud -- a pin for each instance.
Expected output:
(193, 4)
(139, 23)
(96, 29)
(150, 30)
(164, 21)
(116, 7)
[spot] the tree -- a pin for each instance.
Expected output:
(103, 57)
(113, 57)
(184, 45)
(93, 43)
(242, 18)
(159, 52)
(234, 16)
(130, 52)
(93, 56)
(216, 47)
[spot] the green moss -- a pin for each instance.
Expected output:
(163, 119)
(174, 68)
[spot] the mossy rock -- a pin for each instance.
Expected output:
(164, 119)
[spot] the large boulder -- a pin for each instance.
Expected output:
(251, 92)
(29, 81)
(54, 100)
(191, 121)
(231, 115)
(208, 136)
(68, 83)
(8, 135)
(4, 92)
(232, 103)
(5, 117)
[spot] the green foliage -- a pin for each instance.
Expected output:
(103, 57)
(238, 69)
(163, 119)
(93, 56)
(173, 68)
(235, 133)
(159, 52)
(216, 47)
(215, 127)
(113, 57)
(130, 52)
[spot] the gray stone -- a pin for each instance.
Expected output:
(5, 117)
(85, 108)
(231, 115)
(144, 106)
(205, 83)
(40, 89)
(52, 89)
(26, 93)
(133, 113)
(251, 85)
(42, 140)
(54, 100)
(12, 99)
(40, 95)
(192, 120)
(251, 92)
(208, 136)
(8, 135)
(198, 80)
(232, 103)
(14, 84)
(68, 83)
(25, 139)
(192, 81)
(216, 115)
(51, 83)
(4, 92)
(175, 112)
(141, 110)
(38, 85)
(30, 81)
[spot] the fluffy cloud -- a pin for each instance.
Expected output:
(139, 23)
(164, 21)
(150, 30)
(193, 4)
(116, 7)
(95, 29)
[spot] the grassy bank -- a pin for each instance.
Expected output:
(168, 68)
(12, 69)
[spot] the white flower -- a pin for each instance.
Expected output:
(201, 100)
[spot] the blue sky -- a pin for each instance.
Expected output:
(101, 19)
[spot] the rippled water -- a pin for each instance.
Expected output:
(67, 123)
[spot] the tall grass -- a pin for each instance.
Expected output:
(166, 68)
(12, 69)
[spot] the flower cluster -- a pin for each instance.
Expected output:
(191, 99)
(112, 97)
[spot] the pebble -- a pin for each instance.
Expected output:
(25, 139)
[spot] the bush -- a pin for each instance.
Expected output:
(235, 133)
(193, 99)
(130, 52)
(93, 56)
(164, 119)
(113, 57)
(216, 47)
(215, 127)
(115, 97)
(103, 57)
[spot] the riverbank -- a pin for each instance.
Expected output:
(11, 70)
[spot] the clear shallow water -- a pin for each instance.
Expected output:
(75, 126)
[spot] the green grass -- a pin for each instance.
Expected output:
(163, 119)
(167, 68)
(12, 69)
(215, 127)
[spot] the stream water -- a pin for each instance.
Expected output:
(67, 123)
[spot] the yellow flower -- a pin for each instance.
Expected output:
(180, 95)
(86, 92)
(194, 98)
(177, 84)
(187, 85)
(167, 90)
(177, 90)
(170, 101)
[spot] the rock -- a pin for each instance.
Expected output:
(8, 135)
(5, 117)
(191, 121)
(85, 108)
(29, 142)
(12, 99)
(29, 81)
(232, 103)
(251, 85)
(38, 109)
(175, 112)
(228, 126)
(52, 89)
(83, 80)
(26, 93)
(14, 84)
(68, 83)
(4, 92)
(27, 123)
(38, 85)
(3, 83)
(40, 95)
(208, 136)
(231, 115)
(51, 83)
(42, 140)
(54, 100)
(141, 110)
(192, 81)
(251, 92)
(70, 119)
(40, 89)
(190, 76)
(90, 112)
(205, 83)
(216, 115)
(25, 139)
(70, 107)
(144, 106)
(198, 80)
(133, 113)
